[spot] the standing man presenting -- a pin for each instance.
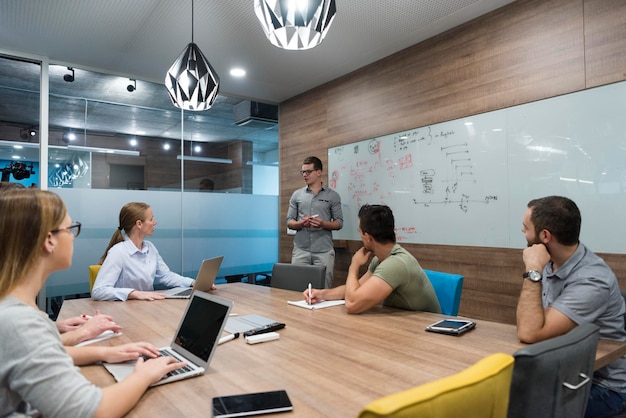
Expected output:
(566, 285)
(314, 212)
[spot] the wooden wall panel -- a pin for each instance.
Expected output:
(605, 46)
(526, 51)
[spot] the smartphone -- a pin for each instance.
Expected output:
(251, 404)
(451, 326)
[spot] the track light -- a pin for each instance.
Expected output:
(69, 77)
(132, 86)
(68, 136)
(28, 133)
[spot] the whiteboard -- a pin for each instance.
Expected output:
(468, 181)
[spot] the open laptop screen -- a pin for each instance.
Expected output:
(202, 324)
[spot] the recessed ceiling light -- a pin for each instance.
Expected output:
(237, 72)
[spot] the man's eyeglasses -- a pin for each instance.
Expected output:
(306, 172)
(73, 229)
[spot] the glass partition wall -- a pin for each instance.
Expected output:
(112, 140)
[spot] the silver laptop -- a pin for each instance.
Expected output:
(204, 280)
(195, 340)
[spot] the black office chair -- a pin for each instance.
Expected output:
(552, 378)
(297, 276)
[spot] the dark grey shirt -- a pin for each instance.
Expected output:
(586, 290)
(327, 204)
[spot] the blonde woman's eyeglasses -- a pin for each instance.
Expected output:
(73, 229)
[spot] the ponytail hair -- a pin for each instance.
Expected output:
(129, 215)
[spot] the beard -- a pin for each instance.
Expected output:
(533, 242)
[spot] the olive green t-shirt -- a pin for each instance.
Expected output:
(411, 287)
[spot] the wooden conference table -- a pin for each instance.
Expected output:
(330, 363)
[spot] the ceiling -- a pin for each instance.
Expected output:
(140, 39)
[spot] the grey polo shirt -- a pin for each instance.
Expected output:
(586, 290)
(327, 204)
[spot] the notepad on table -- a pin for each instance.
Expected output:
(104, 336)
(325, 304)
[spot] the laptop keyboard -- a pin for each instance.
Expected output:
(176, 372)
(185, 292)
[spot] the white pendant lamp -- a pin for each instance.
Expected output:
(295, 24)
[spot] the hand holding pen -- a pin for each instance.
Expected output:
(312, 296)
(97, 324)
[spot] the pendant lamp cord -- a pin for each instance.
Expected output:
(191, 21)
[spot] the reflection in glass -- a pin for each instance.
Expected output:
(95, 123)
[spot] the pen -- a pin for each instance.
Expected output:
(309, 293)
(228, 338)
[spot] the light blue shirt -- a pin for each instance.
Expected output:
(126, 269)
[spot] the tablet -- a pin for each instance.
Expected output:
(251, 404)
(451, 326)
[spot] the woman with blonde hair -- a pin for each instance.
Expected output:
(37, 374)
(131, 265)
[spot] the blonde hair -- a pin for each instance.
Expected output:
(129, 215)
(28, 215)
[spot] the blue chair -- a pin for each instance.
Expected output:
(448, 288)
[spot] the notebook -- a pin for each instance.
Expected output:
(320, 305)
(195, 339)
(204, 280)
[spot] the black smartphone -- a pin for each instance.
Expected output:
(451, 326)
(251, 404)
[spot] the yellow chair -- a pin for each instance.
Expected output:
(480, 391)
(93, 273)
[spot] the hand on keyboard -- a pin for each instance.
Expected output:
(126, 352)
(155, 369)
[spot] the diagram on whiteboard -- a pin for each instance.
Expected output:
(445, 183)
(468, 181)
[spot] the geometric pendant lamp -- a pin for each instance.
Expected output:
(191, 81)
(295, 24)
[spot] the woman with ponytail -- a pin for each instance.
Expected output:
(130, 264)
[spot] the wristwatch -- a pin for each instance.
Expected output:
(532, 275)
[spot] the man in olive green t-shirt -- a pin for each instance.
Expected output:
(394, 277)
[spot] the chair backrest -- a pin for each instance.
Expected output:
(297, 276)
(448, 288)
(624, 296)
(93, 273)
(552, 378)
(481, 390)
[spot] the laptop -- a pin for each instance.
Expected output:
(195, 340)
(204, 280)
